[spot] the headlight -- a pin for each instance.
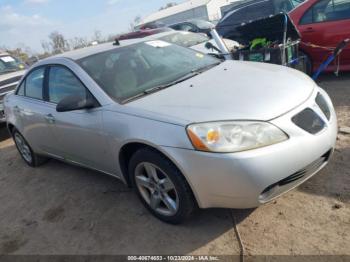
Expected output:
(234, 136)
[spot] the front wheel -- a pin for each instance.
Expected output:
(161, 187)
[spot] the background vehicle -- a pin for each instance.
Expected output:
(11, 71)
(323, 23)
(194, 26)
(151, 25)
(194, 40)
(246, 11)
(143, 33)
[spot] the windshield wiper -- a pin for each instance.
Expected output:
(161, 87)
(177, 81)
(205, 68)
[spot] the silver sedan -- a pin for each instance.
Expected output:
(184, 129)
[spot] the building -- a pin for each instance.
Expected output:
(209, 10)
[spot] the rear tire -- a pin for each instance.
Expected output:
(161, 187)
(32, 159)
(307, 62)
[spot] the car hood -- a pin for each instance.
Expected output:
(233, 90)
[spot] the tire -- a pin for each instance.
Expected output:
(26, 152)
(308, 63)
(169, 198)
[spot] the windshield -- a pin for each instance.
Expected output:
(186, 39)
(128, 71)
(10, 64)
(202, 24)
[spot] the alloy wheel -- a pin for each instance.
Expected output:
(156, 189)
(23, 148)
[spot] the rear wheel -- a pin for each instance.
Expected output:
(26, 151)
(161, 187)
(308, 68)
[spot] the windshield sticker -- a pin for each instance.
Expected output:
(7, 59)
(158, 43)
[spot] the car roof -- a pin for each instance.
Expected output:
(92, 50)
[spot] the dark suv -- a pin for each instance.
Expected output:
(245, 11)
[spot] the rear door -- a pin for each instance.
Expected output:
(30, 110)
(326, 24)
(78, 133)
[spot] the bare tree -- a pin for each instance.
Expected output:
(97, 36)
(58, 43)
(78, 42)
(46, 46)
(136, 21)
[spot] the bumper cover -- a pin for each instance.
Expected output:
(249, 179)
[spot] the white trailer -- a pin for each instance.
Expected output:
(209, 10)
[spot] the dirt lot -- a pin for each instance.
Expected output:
(60, 209)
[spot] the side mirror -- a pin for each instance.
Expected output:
(72, 103)
(209, 46)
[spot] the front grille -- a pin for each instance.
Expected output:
(309, 121)
(322, 103)
(292, 180)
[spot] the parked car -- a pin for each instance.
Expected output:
(11, 71)
(324, 23)
(195, 41)
(184, 128)
(194, 26)
(151, 25)
(143, 33)
(247, 11)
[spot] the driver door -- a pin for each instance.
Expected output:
(78, 133)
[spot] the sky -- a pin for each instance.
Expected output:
(28, 22)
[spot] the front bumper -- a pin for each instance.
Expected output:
(251, 178)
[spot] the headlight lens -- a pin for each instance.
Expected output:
(234, 136)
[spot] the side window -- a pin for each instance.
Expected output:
(34, 84)
(63, 83)
(283, 6)
(338, 10)
(20, 91)
(327, 10)
(187, 27)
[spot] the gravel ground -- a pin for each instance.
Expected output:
(65, 210)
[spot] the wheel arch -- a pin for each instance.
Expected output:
(131, 147)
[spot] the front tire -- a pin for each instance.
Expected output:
(26, 151)
(161, 187)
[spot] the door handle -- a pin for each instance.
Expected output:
(309, 30)
(50, 118)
